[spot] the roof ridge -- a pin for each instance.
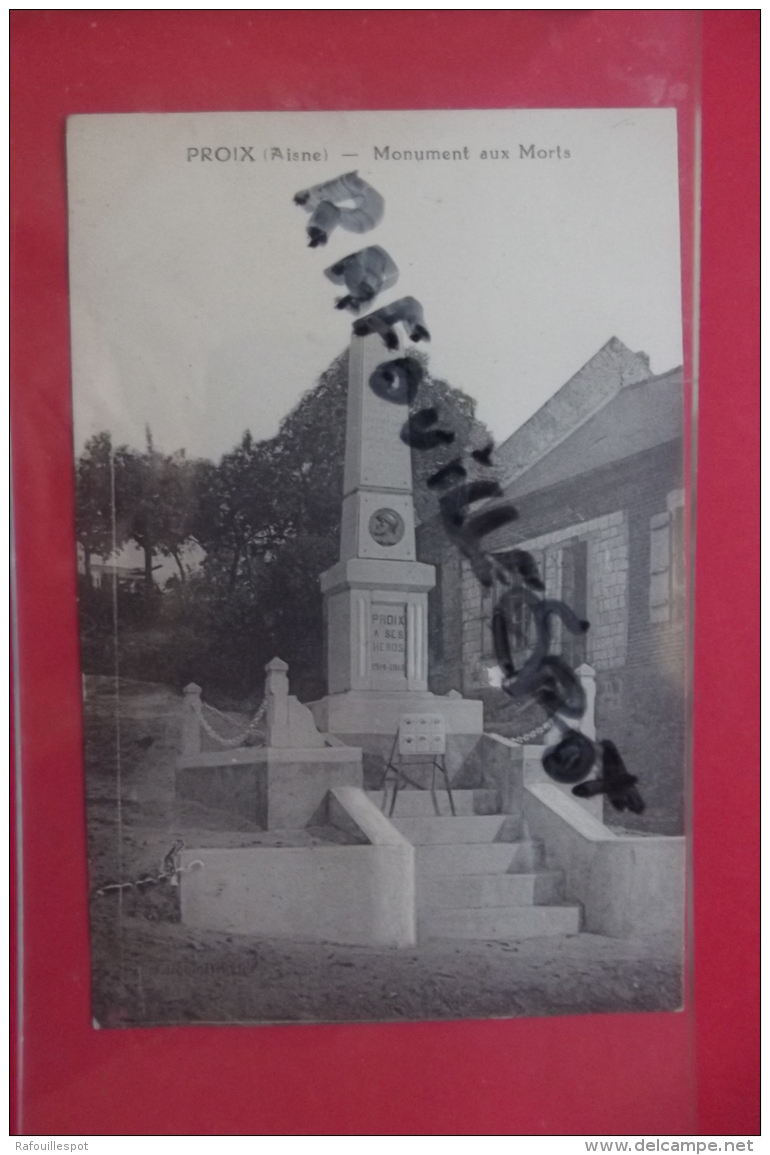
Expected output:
(612, 368)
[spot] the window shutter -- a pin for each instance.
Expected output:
(538, 556)
(660, 567)
(678, 566)
(574, 592)
(529, 633)
(487, 609)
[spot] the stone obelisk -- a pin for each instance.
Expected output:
(376, 596)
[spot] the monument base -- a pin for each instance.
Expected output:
(378, 712)
(274, 788)
(370, 720)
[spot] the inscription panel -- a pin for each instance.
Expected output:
(388, 636)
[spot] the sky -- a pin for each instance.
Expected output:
(198, 310)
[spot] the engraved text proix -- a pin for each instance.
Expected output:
(388, 639)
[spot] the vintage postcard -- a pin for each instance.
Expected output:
(381, 541)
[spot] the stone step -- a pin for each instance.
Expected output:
(419, 803)
(479, 858)
(462, 829)
(500, 922)
(489, 890)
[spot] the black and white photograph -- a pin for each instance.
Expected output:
(382, 521)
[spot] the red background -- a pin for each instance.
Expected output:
(647, 1074)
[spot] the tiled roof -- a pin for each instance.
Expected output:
(611, 369)
(638, 417)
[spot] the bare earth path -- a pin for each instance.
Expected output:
(149, 969)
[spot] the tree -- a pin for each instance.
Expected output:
(268, 518)
(237, 511)
(179, 489)
(155, 503)
(264, 494)
(310, 455)
(96, 529)
(456, 414)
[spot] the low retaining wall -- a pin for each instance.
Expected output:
(275, 788)
(630, 886)
(362, 894)
(361, 718)
(507, 766)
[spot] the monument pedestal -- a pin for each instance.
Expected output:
(377, 648)
(376, 624)
(361, 713)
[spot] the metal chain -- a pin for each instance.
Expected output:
(229, 743)
(150, 879)
(536, 733)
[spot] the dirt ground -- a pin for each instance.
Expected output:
(149, 969)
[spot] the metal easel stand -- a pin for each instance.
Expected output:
(396, 763)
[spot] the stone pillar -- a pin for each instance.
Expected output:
(587, 724)
(377, 594)
(277, 703)
(191, 727)
(378, 464)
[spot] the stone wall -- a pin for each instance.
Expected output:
(629, 887)
(362, 894)
(607, 602)
(445, 608)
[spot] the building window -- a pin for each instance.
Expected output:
(521, 626)
(678, 565)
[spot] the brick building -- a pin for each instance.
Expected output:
(597, 478)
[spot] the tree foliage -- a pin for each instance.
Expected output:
(96, 528)
(267, 518)
(154, 502)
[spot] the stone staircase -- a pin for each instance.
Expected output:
(478, 877)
